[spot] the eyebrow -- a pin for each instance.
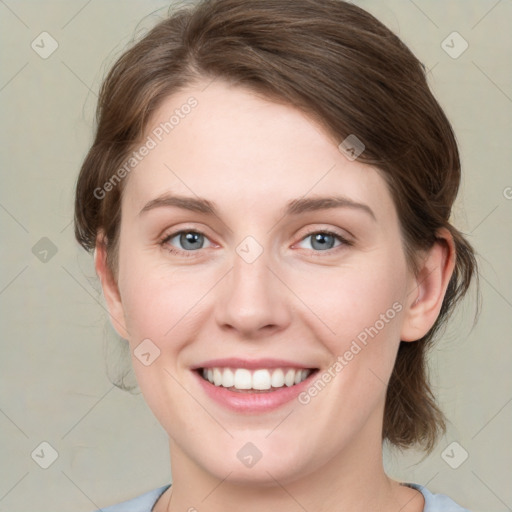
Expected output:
(294, 207)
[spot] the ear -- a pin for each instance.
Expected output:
(429, 287)
(110, 288)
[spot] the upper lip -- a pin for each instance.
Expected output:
(254, 364)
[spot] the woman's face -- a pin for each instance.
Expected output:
(251, 246)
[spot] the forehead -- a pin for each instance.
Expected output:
(242, 151)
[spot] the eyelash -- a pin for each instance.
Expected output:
(164, 242)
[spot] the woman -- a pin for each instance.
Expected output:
(268, 199)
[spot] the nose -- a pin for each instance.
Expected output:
(252, 300)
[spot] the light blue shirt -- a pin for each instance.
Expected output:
(145, 502)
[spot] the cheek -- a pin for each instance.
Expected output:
(156, 304)
(363, 308)
(352, 300)
(163, 303)
(340, 303)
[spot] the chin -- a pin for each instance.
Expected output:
(259, 463)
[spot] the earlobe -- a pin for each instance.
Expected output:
(110, 289)
(428, 288)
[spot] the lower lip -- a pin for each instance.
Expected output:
(246, 402)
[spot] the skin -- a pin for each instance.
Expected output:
(250, 156)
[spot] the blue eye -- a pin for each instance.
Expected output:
(324, 241)
(188, 240)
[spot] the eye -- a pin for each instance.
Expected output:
(186, 241)
(322, 241)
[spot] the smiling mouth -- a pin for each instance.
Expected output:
(243, 380)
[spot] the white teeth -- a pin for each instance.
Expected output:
(242, 379)
(228, 378)
(289, 378)
(261, 379)
(217, 377)
(277, 378)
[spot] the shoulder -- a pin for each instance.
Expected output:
(437, 502)
(142, 503)
(146, 501)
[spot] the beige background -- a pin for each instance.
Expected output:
(54, 386)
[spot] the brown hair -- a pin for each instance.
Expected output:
(343, 67)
